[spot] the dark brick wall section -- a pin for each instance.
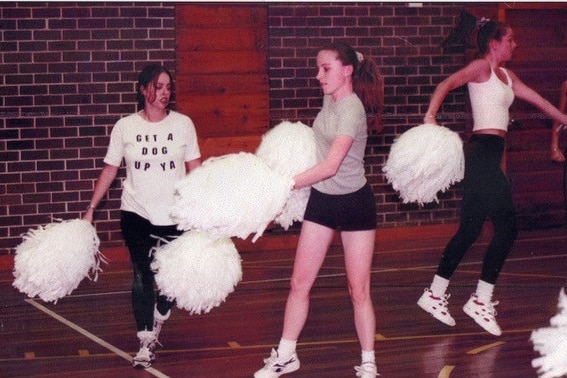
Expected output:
(67, 75)
(68, 72)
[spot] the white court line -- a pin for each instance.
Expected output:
(94, 338)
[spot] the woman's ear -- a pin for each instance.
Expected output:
(492, 44)
(348, 70)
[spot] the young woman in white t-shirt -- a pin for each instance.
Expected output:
(159, 147)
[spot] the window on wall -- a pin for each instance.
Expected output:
(221, 74)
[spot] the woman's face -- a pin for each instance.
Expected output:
(334, 77)
(158, 95)
(504, 48)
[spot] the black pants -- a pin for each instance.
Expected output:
(487, 194)
(139, 234)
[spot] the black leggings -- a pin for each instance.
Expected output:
(138, 234)
(487, 194)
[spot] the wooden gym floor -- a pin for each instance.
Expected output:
(91, 333)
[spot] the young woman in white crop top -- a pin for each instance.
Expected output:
(487, 193)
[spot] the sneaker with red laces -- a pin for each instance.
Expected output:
(436, 306)
(276, 366)
(483, 314)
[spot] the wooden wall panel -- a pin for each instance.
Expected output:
(539, 61)
(221, 74)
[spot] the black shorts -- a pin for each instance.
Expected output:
(348, 212)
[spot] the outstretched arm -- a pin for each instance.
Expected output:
(556, 153)
(526, 93)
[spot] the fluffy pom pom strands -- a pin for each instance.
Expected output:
(52, 260)
(289, 149)
(237, 195)
(197, 271)
(424, 160)
(551, 343)
(232, 195)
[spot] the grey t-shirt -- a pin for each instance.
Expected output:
(345, 117)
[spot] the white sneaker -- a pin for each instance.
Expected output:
(274, 366)
(366, 370)
(436, 306)
(145, 356)
(483, 314)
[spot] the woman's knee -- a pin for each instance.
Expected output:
(359, 294)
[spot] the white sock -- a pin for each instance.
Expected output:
(286, 348)
(439, 286)
(484, 291)
(368, 356)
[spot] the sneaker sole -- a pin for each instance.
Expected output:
(259, 374)
(141, 365)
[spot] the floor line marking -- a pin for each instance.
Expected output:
(91, 336)
(84, 353)
(446, 371)
(485, 347)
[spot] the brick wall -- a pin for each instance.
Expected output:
(68, 72)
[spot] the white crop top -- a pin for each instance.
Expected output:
(490, 102)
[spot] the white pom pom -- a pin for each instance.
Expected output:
(197, 271)
(232, 195)
(424, 160)
(52, 260)
(551, 343)
(289, 149)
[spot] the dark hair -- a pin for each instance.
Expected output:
(368, 83)
(491, 31)
(149, 75)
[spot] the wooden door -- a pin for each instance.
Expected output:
(221, 74)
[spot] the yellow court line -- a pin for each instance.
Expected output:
(446, 371)
(485, 347)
